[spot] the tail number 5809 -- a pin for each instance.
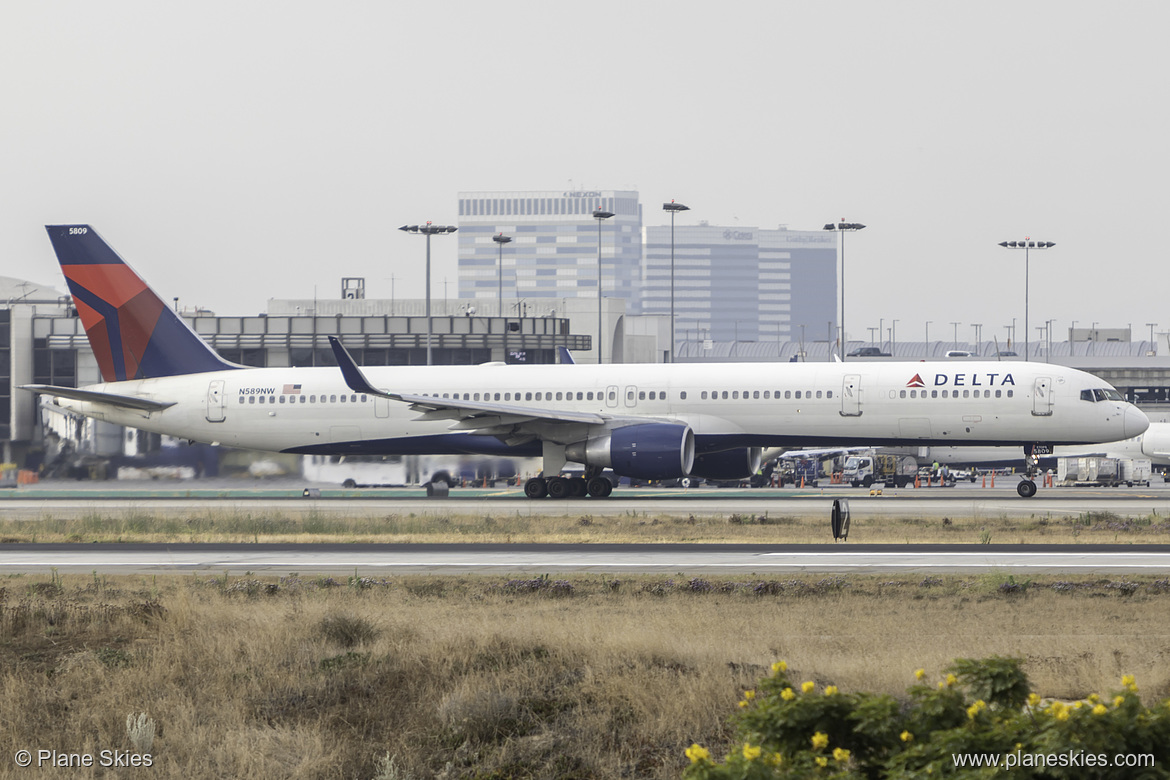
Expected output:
(78, 231)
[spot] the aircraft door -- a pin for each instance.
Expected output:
(381, 406)
(215, 405)
(851, 395)
(631, 396)
(1042, 396)
(611, 395)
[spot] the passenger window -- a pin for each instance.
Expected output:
(901, 393)
(251, 399)
(312, 399)
(353, 398)
(1010, 393)
(755, 394)
(613, 395)
(343, 399)
(539, 397)
(641, 395)
(629, 395)
(241, 399)
(966, 393)
(682, 395)
(913, 393)
(507, 396)
(589, 396)
(735, 395)
(703, 395)
(934, 393)
(797, 395)
(497, 397)
(724, 395)
(819, 393)
(303, 399)
(767, 394)
(332, 399)
(828, 394)
(787, 394)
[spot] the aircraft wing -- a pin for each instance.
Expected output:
(95, 397)
(513, 422)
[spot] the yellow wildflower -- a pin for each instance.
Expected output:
(1127, 681)
(774, 759)
(822, 762)
(907, 736)
(697, 753)
(840, 754)
(1062, 715)
(807, 686)
(751, 752)
(779, 666)
(1100, 709)
(1094, 698)
(742, 704)
(941, 685)
(820, 740)
(975, 709)
(749, 695)
(830, 690)
(1033, 699)
(1118, 700)
(919, 674)
(951, 680)
(787, 694)
(1078, 705)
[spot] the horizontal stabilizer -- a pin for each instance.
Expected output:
(94, 397)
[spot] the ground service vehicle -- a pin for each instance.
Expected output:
(867, 468)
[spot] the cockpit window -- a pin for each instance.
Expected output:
(1101, 394)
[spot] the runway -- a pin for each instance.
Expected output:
(381, 560)
(76, 500)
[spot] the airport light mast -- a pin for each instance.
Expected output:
(429, 230)
(673, 208)
(1027, 245)
(843, 227)
(600, 216)
(500, 240)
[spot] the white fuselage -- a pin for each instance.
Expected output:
(726, 405)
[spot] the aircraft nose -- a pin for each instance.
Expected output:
(1134, 421)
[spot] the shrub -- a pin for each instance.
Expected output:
(982, 710)
(347, 630)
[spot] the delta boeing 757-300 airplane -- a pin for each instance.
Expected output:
(649, 421)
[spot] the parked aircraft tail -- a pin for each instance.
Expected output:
(132, 332)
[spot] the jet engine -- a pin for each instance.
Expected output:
(739, 463)
(646, 451)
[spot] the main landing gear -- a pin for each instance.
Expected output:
(592, 484)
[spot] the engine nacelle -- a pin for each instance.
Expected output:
(647, 451)
(739, 463)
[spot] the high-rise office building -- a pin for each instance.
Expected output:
(553, 251)
(742, 283)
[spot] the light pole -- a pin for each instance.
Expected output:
(893, 340)
(1027, 245)
(843, 227)
(871, 330)
(600, 216)
(956, 324)
(977, 326)
(1048, 323)
(673, 208)
(928, 349)
(429, 230)
(501, 239)
(1153, 346)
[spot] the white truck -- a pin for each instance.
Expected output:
(867, 467)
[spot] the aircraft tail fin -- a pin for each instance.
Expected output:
(132, 332)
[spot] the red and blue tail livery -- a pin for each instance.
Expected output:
(134, 334)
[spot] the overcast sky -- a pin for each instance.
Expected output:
(239, 151)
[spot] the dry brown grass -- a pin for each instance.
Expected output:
(465, 677)
(962, 525)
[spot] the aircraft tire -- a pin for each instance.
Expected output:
(600, 487)
(558, 487)
(1026, 488)
(349, 484)
(578, 488)
(536, 487)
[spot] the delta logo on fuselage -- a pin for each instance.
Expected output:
(965, 380)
